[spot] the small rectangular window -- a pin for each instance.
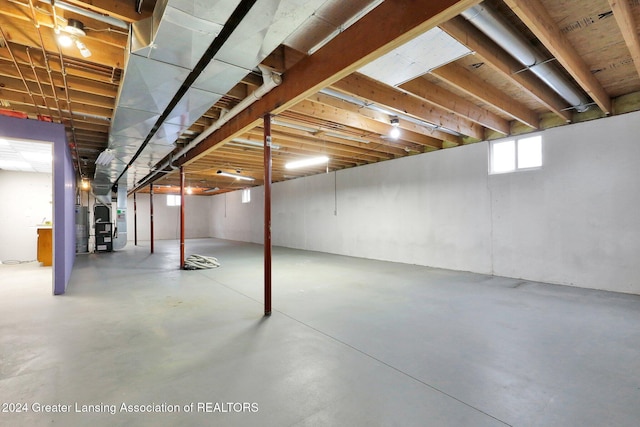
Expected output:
(530, 152)
(503, 156)
(512, 155)
(246, 195)
(173, 200)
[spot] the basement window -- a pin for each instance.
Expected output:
(173, 200)
(246, 195)
(515, 154)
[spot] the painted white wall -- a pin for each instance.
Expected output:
(167, 218)
(572, 222)
(26, 201)
(233, 220)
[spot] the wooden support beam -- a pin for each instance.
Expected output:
(537, 18)
(356, 46)
(465, 81)
(626, 22)
(494, 56)
(394, 99)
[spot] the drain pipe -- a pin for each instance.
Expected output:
(270, 81)
(490, 23)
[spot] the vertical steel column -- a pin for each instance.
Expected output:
(135, 221)
(181, 217)
(267, 214)
(151, 213)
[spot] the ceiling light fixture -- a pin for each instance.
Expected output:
(105, 157)
(395, 130)
(69, 35)
(233, 175)
(313, 161)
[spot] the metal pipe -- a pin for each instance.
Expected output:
(270, 81)
(88, 13)
(181, 217)
(35, 75)
(267, 214)
(53, 88)
(491, 24)
(239, 13)
(135, 220)
(151, 213)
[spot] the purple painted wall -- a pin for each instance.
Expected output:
(64, 188)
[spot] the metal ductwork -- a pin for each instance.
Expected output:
(162, 52)
(490, 23)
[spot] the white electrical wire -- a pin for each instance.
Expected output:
(200, 262)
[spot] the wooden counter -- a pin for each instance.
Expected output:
(45, 246)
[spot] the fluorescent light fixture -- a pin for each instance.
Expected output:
(236, 176)
(312, 161)
(105, 157)
(211, 190)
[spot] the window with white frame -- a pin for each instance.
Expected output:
(246, 195)
(515, 154)
(173, 200)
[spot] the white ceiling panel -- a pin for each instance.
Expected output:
(25, 156)
(415, 58)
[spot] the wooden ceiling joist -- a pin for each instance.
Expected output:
(490, 53)
(436, 135)
(343, 55)
(626, 22)
(388, 97)
(346, 118)
(461, 79)
(436, 95)
(537, 18)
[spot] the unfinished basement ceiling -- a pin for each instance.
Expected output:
(455, 86)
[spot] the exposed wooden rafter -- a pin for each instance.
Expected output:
(391, 98)
(343, 55)
(626, 22)
(465, 81)
(488, 52)
(537, 18)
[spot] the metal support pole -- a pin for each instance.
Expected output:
(181, 217)
(151, 213)
(135, 220)
(267, 214)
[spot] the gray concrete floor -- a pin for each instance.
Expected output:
(351, 342)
